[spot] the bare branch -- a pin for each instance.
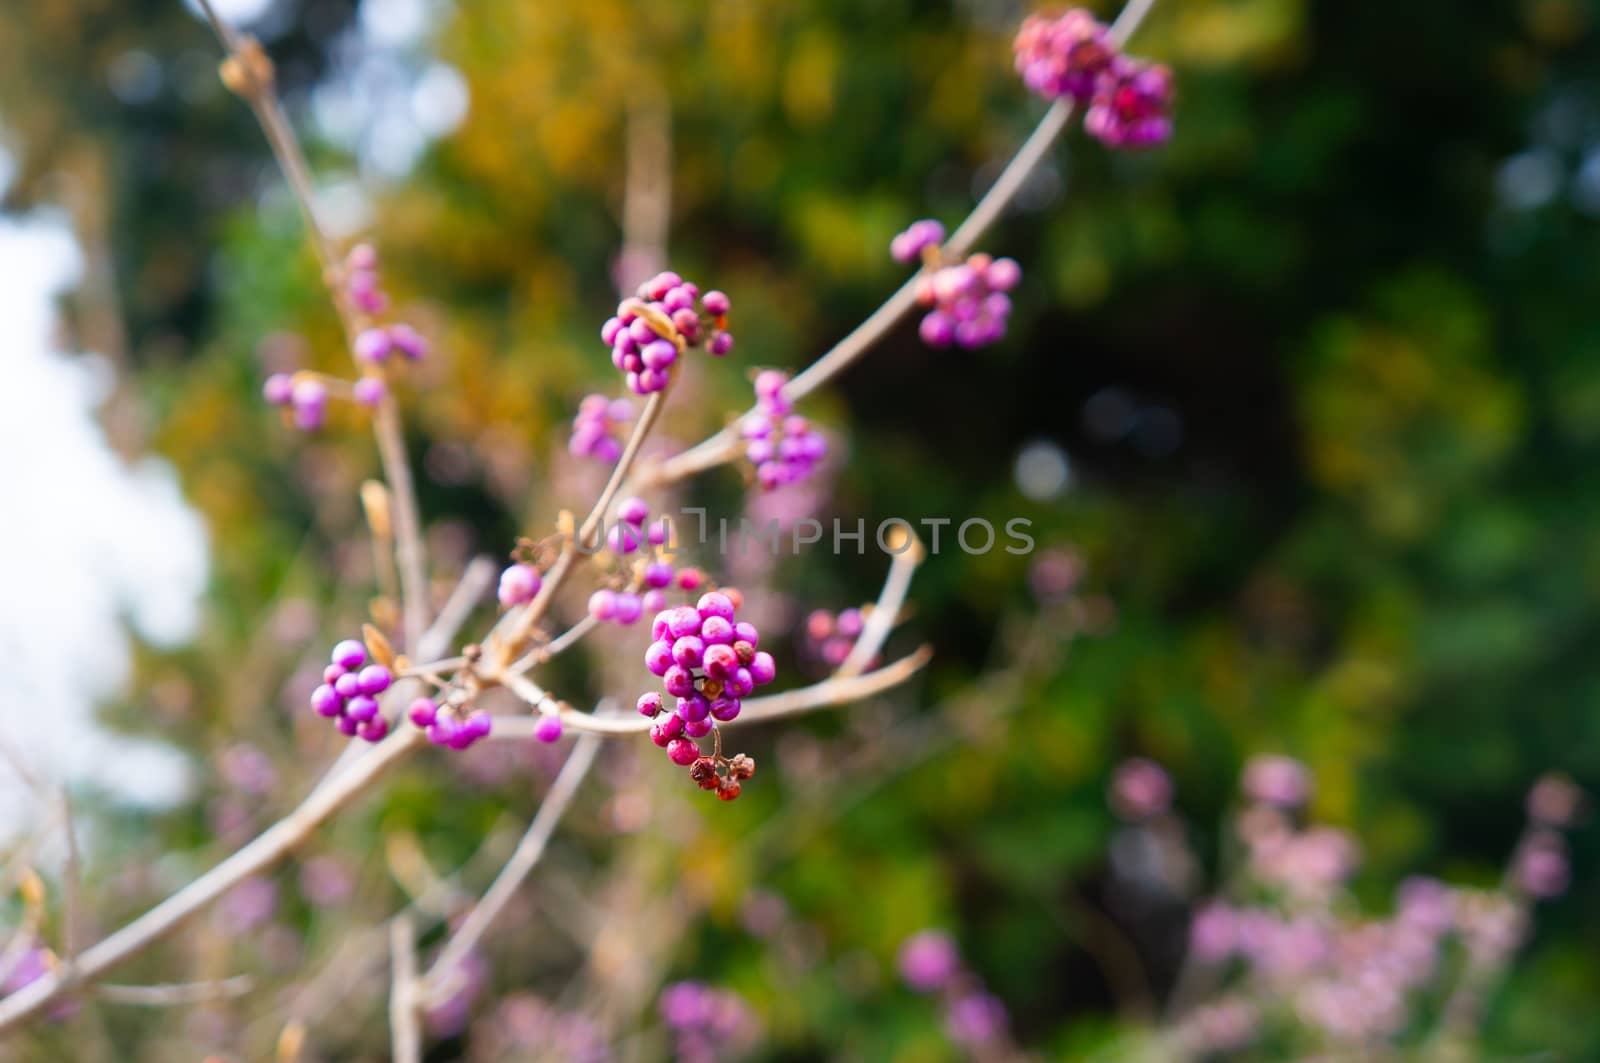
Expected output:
(177, 993)
(404, 1028)
(441, 975)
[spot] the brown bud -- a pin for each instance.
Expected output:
(711, 688)
(744, 651)
(378, 646)
(472, 652)
(728, 789)
(734, 596)
(233, 76)
(742, 766)
(375, 502)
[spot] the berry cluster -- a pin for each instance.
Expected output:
(707, 1024)
(375, 345)
(361, 284)
(349, 692)
(708, 661)
(831, 638)
(1072, 56)
(449, 726)
(782, 446)
(597, 431)
(625, 605)
(304, 394)
(652, 331)
(967, 301)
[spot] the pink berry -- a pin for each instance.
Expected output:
(682, 752)
(423, 712)
(649, 704)
(548, 729)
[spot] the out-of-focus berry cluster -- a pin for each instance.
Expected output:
(668, 318)
(305, 394)
(830, 637)
(598, 431)
(708, 662)
(349, 692)
(783, 447)
(451, 725)
(1072, 56)
(967, 300)
(1288, 948)
(974, 1018)
(707, 1024)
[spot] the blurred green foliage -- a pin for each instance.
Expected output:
(1373, 544)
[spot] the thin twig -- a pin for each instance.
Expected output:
(887, 610)
(267, 849)
(723, 445)
(177, 993)
(404, 1029)
(71, 882)
(839, 690)
(440, 977)
(386, 419)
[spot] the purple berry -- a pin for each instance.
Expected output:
(716, 629)
(763, 669)
(375, 679)
(423, 712)
(693, 708)
(658, 658)
(603, 604)
(373, 346)
(326, 701)
(628, 608)
(633, 511)
(518, 585)
(361, 708)
(349, 654)
(715, 603)
(278, 389)
(682, 752)
(679, 681)
(649, 704)
(369, 391)
(720, 661)
(689, 651)
(548, 729)
(347, 685)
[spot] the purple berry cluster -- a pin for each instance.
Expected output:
(1132, 108)
(1073, 57)
(708, 661)
(830, 637)
(707, 1024)
(598, 431)
(349, 692)
(651, 332)
(967, 301)
(304, 395)
(1063, 56)
(782, 446)
(374, 346)
(449, 725)
(361, 284)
